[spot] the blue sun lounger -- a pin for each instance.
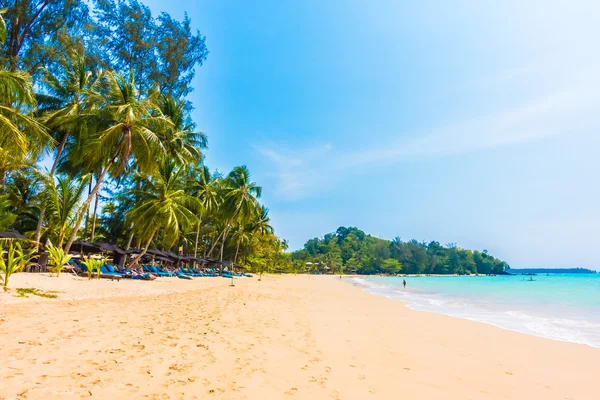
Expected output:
(154, 269)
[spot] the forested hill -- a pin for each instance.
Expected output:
(355, 251)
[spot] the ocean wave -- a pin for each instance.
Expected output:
(525, 320)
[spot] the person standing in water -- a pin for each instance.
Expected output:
(404, 282)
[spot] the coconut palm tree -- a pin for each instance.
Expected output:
(63, 199)
(68, 94)
(239, 200)
(128, 131)
(22, 137)
(242, 236)
(261, 223)
(205, 187)
(165, 205)
(181, 142)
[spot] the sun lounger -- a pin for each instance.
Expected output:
(104, 273)
(137, 276)
(154, 269)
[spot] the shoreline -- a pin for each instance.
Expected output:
(516, 317)
(301, 337)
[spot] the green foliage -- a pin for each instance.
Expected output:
(59, 259)
(7, 217)
(16, 259)
(111, 110)
(63, 199)
(23, 292)
(37, 30)
(2, 27)
(160, 51)
(391, 266)
(93, 265)
(366, 254)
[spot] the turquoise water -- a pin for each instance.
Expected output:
(555, 306)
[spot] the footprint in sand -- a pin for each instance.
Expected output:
(291, 392)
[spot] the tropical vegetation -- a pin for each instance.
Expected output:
(15, 260)
(355, 251)
(98, 143)
(97, 140)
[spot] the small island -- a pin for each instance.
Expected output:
(353, 251)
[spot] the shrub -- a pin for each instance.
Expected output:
(59, 259)
(16, 260)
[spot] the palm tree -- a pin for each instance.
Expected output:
(180, 141)
(205, 187)
(24, 195)
(63, 199)
(239, 200)
(7, 217)
(242, 236)
(21, 136)
(165, 205)
(129, 131)
(68, 94)
(262, 222)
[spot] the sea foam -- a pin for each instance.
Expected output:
(559, 307)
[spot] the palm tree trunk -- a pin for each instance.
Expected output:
(59, 152)
(236, 251)
(94, 219)
(2, 180)
(130, 239)
(137, 258)
(87, 214)
(215, 243)
(40, 222)
(38, 227)
(138, 185)
(225, 232)
(197, 237)
(85, 206)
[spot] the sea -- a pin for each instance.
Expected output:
(562, 307)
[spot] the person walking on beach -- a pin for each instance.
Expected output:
(404, 282)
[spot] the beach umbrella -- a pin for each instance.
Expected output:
(12, 234)
(84, 247)
(109, 247)
(157, 252)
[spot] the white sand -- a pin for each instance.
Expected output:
(286, 337)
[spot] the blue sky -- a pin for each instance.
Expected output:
(467, 122)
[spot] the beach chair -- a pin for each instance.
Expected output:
(158, 272)
(189, 272)
(109, 271)
(139, 277)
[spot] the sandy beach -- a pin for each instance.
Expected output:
(302, 337)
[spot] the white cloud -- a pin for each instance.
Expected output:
(305, 172)
(298, 171)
